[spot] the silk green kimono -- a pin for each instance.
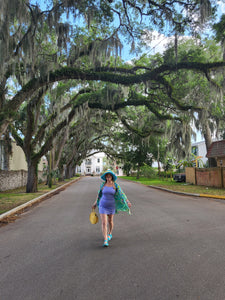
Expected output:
(120, 198)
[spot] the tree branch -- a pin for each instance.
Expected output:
(17, 138)
(73, 73)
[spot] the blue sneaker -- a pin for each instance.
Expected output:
(106, 244)
(109, 237)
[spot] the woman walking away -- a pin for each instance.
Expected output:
(110, 199)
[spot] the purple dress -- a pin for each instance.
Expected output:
(107, 202)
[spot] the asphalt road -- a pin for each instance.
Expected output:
(171, 247)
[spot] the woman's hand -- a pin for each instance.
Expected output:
(128, 203)
(94, 206)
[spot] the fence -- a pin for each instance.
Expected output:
(208, 177)
(14, 179)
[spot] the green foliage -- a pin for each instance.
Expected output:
(147, 171)
(127, 166)
(219, 29)
(42, 50)
(190, 162)
(168, 165)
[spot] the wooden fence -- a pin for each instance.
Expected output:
(208, 177)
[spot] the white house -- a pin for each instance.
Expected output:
(94, 164)
(199, 149)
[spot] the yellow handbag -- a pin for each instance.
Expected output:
(93, 217)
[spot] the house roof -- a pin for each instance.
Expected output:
(217, 149)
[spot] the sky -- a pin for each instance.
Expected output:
(160, 41)
(158, 45)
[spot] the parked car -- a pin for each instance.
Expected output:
(179, 177)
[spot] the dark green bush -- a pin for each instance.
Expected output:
(148, 171)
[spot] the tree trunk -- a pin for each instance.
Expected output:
(158, 167)
(138, 172)
(4, 126)
(69, 171)
(32, 179)
(158, 160)
(50, 169)
(61, 173)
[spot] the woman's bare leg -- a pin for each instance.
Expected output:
(111, 224)
(104, 226)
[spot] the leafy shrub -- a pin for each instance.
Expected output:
(148, 171)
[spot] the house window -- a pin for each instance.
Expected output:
(98, 160)
(3, 161)
(194, 150)
(97, 169)
(88, 161)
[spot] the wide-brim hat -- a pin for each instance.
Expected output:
(109, 172)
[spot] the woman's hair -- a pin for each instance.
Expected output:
(112, 180)
(110, 175)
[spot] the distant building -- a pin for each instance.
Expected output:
(16, 161)
(199, 149)
(3, 156)
(96, 164)
(217, 151)
(92, 165)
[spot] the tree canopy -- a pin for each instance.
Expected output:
(62, 57)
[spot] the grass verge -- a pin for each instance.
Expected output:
(13, 198)
(178, 186)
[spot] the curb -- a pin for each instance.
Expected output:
(181, 193)
(212, 196)
(188, 194)
(174, 192)
(19, 209)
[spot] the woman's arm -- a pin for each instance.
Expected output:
(95, 203)
(128, 203)
(98, 196)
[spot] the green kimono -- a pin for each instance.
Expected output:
(120, 198)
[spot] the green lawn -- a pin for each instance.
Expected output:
(178, 186)
(13, 198)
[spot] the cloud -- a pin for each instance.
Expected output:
(221, 6)
(156, 41)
